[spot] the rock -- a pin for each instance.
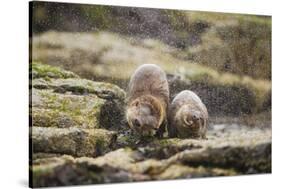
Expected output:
(66, 171)
(179, 171)
(229, 42)
(51, 109)
(235, 46)
(81, 87)
(41, 155)
(248, 153)
(74, 102)
(233, 152)
(73, 141)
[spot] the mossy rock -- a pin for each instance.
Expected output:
(247, 151)
(81, 87)
(72, 141)
(51, 109)
(75, 102)
(39, 70)
(233, 152)
(234, 43)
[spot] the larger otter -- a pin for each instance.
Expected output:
(188, 116)
(147, 101)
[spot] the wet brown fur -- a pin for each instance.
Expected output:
(148, 85)
(188, 102)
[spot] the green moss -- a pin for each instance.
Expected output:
(101, 145)
(229, 42)
(72, 141)
(83, 87)
(58, 110)
(38, 173)
(219, 18)
(50, 118)
(126, 140)
(165, 142)
(39, 70)
(235, 43)
(100, 15)
(89, 104)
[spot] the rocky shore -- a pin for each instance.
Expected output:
(79, 136)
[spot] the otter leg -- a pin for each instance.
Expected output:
(203, 134)
(172, 131)
(204, 130)
(160, 132)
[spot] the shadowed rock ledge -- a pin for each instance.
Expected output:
(158, 160)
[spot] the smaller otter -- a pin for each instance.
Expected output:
(147, 101)
(188, 116)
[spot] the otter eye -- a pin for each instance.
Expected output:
(137, 103)
(194, 117)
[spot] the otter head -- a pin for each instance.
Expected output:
(191, 119)
(143, 117)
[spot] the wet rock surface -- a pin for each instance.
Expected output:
(228, 154)
(79, 136)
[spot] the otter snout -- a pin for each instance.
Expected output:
(195, 117)
(147, 124)
(136, 123)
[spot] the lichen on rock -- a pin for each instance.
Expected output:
(51, 109)
(39, 70)
(73, 141)
(65, 100)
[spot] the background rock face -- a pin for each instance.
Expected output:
(103, 56)
(227, 42)
(80, 66)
